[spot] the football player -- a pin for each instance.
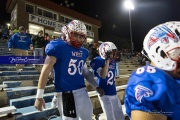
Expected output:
(153, 92)
(68, 58)
(104, 67)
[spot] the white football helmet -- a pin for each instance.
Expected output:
(75, 33)
(162, 45)
(106, 46)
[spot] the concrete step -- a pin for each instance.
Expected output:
(18, 92)
(30, 113)
(4, 49)
(29, 100)
(2, 86)
(2, 53)
(126, 71)
(122, 80)
(128, 66)
(128, 63)
(13, 68)
(10, 73)
(7, 110)
(12, 84)
(24, 83)
(18, 78)
(4, 46)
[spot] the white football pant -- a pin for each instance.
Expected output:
(111, 106)
(83, 105)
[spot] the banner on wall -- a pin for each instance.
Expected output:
(51, 23)
(45, 21)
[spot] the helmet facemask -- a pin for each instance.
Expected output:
(174, 54)
(76, 39)
(75, 33)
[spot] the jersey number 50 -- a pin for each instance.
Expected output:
(73, 68)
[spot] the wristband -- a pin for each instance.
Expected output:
(40, 93)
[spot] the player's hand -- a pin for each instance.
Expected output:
(10, 49)
(100, 91)
(31, 48)
(108, 54)
(39, 103)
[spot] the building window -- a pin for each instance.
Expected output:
(47, 14)
(39, 12)
(29, 8)
(55, 16)
(65, 19)
(61, 19)
(88, 27)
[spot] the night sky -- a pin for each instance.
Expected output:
(115, 18)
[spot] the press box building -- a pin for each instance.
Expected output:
(48, 16)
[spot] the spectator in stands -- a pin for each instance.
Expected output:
(11, 31)
(39, 44)
(104, 67)
(93, 51)
(47, 39)
(68, 58)
(21, 43)
(15, 30)
(140, 58)
(152, 92)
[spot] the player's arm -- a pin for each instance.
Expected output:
(141, 115)
(103, 71)
(47, 67)
(89, 77)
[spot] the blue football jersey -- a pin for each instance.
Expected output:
(153, 90)
(107, 84)
(69, 65)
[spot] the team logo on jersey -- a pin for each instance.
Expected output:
(77, 54)
(141, 92)
(163, 34)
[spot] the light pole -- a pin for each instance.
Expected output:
(129, 5)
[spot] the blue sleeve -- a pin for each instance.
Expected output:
(50, 50)
(11, 42)
(97, 63)
(153, 92)
(178, 81)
